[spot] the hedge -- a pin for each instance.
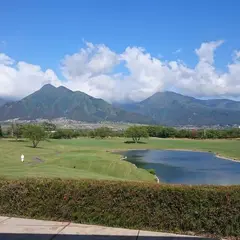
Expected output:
(209, 210)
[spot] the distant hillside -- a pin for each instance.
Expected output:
(174, 109)
(50, 102)
(2, 102)
(167, 108)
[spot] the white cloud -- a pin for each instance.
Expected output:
(22, 79)
(179, 50)
(6, 60)
(236, 55)
(206, 51)
(131, 75)
(147, 75)
(92, 60)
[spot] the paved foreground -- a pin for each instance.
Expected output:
(28, 229)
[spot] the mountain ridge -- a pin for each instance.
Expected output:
(170, 108)
(51, 102)
(165, 108)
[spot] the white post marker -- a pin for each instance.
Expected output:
(22, 158)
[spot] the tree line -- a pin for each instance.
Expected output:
(102, 132)
(169, 132)
(39, 132)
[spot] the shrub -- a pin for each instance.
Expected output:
(103, 132)
(92, 134)
(64, 134)
(1, 133)
(152, 171)
(201, 209)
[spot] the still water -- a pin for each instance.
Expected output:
(184, 167)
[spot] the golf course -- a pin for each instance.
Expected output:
(94, 158)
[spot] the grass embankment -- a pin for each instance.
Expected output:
(199, 209)
(92, 158)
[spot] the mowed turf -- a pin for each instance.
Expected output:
(92, 158)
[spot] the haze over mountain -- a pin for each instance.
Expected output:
(2, 101)
(174, 109)
(50, 102)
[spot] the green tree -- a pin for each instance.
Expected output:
(65, 134)
(152, 130)
(18, 131)
(34, 133)
(136, 133)
(48, 126)
(1, 133)
(92, 134)
(183, 133)
(103, 132)
(12, 129)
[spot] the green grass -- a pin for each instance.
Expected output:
(92, 158)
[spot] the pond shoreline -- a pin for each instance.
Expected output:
(184, 150)
(184, 166)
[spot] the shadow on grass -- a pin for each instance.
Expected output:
(132, 142)
(36, 236)
(19, 140)
(30, 146)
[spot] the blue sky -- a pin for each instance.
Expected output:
(44, 32)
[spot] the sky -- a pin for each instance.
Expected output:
(121, 51)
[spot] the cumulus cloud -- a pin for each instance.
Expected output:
(6, 60)
(236, 55)
(206, 51)
(131, 75)
(20, 79)
(142, 76)
(204, 80)
(145, 74)
(91, 61)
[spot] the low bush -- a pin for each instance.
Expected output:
(64, 134)
(200, 209)
(152, 171)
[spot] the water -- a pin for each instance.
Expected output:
(184, 167)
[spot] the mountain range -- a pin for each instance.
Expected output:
(50, 102)
(166, 108)
(169, 108)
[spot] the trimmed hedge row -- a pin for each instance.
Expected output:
(200, 209)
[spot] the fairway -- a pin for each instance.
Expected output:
(92, 158)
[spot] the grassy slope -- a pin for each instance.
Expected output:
(91, 159)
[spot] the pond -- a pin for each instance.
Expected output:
(185, 167)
